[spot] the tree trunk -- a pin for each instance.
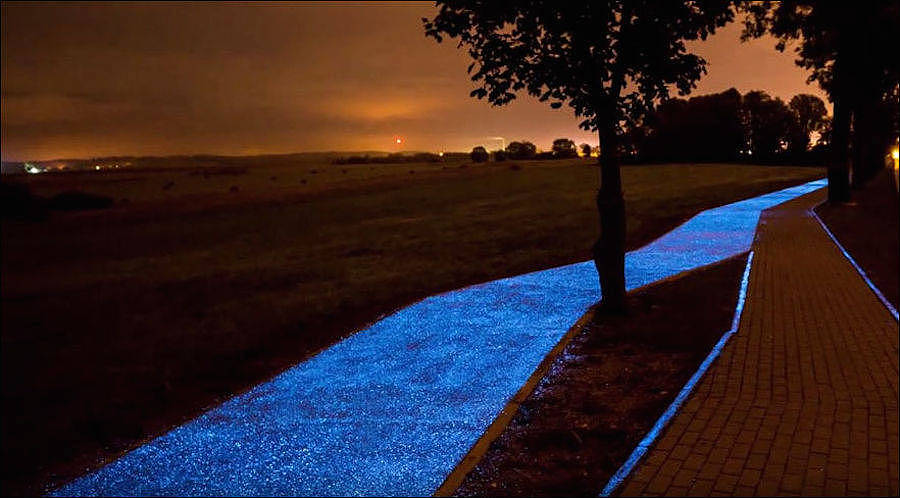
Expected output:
(870, 142)
(844, 94)
(609, 250)
(838, 167)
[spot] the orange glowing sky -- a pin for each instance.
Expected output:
(143, 79)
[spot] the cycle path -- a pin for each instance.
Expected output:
(391, 410)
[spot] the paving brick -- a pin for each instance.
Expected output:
(792, 483)
(733, 466)
(725, 483)
(701, 487)
(684, 478)
(660, 484)
(756, 461)
(750, 477)
(803, 398)
(835, 487)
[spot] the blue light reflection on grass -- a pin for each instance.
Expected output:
(390, 410)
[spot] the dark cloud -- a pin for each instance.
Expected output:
(95, 79)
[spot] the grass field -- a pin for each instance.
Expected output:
(200, 282)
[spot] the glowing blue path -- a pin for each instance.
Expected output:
(393, 408)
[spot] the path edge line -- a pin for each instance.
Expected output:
(641, 449)
(476, 453)
(875, 290)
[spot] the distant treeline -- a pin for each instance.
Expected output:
(563, 148)
(725, 127)
(729, 126)
(398, 158)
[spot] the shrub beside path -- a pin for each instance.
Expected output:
(803, 399)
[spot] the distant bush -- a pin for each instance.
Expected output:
(499, 155)
(74, 200)
(564, 148)
(546, 155)
(521, 150)
(479, 154)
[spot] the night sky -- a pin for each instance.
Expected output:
(143, 79)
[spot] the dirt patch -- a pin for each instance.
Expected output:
(868, 228)
(608, 387)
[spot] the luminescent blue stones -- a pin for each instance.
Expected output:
(391, 409)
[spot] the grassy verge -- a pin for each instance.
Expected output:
(868, 228)
(118, 324)
(607, 389)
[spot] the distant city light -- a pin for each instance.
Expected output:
(398, 140)
(32, 169)
(441, 154)
(895, 155)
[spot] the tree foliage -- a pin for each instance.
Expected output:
(850, 50)
(706, 127)
(521, 150)
(479, 154)
(769, 123)
(608, 60)
(810, 116)
(564, 148)
(861, 36)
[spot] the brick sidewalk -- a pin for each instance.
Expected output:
(803, 399)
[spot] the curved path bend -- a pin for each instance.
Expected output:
(393, 408)
(803, 399)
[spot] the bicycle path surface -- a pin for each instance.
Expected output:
(803, 400)
(392, 409)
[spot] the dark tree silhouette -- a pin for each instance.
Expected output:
(850, 49)
(811, 116)
(479, 154)
(585, 150)
(634, 142)
(768, 122)
(564, 148)
(521, 150)
(610, 61)
(704, 128)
